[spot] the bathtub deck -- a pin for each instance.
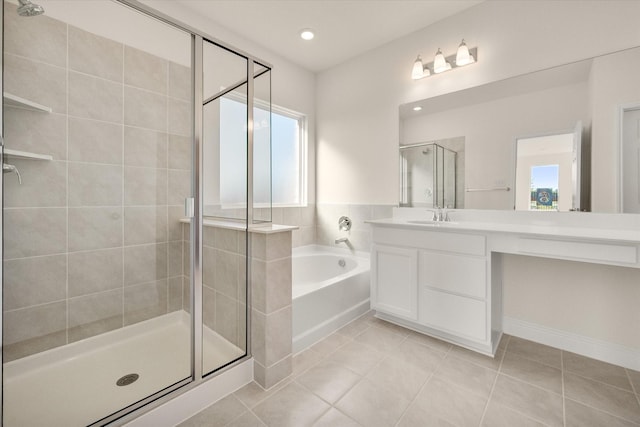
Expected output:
(75, 385)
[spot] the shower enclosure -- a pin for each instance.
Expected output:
(427, 176)
(124, 146)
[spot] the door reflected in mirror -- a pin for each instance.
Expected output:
(549, 172)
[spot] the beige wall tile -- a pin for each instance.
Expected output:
(226, 314)
(174, 262)
(145, 224)
(95, 271)
(180, 117)
(33, 346)
(95, 98)
(34, 322)
(179, 81)
(43, 39)
(175, 214)
(226, 273)
(145, 186)
(145, 301)
(95, 141)
(277, 336)
(145, 71)
(32, 281)
(94, 314)
(95, 228)
(95, 55)
(145, 147)
(145, 109)
(94, 185)
(208, 266)
(179, 187)
(35, 132)
(175, 294)
(226, 239)
(36, 81)
(209, 307)
(47, 232)
(44, 184)
(146, 263)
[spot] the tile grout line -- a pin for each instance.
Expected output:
(431, 376)
(495, 381)
(564, 397)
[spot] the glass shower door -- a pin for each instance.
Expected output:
(98, 123)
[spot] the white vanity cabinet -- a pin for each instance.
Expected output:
(436, 282)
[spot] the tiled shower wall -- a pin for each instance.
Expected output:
(92, 238)
(224, 291)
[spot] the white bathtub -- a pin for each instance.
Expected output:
(326, 294)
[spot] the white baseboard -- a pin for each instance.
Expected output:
(590, 347)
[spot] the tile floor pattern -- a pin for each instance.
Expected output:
(372, 373)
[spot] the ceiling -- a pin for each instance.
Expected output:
(343, 28)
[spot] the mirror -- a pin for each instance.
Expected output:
(598, 92)
(432, 174)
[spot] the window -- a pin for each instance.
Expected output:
(284, 158)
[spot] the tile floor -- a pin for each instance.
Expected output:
(372, 373)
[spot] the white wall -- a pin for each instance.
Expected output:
(358, 100)
(358, 132)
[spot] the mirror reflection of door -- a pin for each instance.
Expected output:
(630, 175)
(548, 172)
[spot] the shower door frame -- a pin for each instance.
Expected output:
(198, 38)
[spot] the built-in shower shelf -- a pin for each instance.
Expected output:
(16, 101)
(26, 155)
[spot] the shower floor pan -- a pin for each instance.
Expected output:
(75, 385)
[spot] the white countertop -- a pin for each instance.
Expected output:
(626, 235)
(266, 228)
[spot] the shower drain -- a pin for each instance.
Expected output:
(127, 379)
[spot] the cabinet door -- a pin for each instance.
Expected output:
(457, 274)
(394, 282)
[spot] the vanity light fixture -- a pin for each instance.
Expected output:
(464, 56)
(307, 34)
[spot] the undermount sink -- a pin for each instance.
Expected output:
(430, 222)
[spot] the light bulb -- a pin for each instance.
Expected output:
(440, 64)
(307, 34)
(418, 69)
(463, 57)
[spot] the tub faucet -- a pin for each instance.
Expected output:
(341, 240)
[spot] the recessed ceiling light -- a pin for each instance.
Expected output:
(307, 34)
(418, 108)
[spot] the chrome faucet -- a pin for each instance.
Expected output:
(341, 240)
(440, 214)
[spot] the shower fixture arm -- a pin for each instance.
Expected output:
(7, 168)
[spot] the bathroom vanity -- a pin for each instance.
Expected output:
(445, 278)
